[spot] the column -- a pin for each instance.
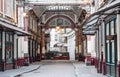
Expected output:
(81, 55)
(3, 51)
(103, 47)
(15, 51)
(3, 8)
(43, 45)
(76, 20)
(96, 50)
(76, 44)
(85, 47)
(118, 41)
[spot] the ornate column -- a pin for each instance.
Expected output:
(76, 44)
(81, 55)
(43, 44)
(84, 45)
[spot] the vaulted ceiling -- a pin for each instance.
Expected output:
(69, 8)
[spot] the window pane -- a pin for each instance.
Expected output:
(9, 47)
(108, 52)
(107, 29)
(11, 38)
(8, 53)
(112, 27)
(0, 40)
(113, 52)
(7, 37)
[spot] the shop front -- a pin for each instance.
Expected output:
(110, 46)
(9, 45)
(9, 50)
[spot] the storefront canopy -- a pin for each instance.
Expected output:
(11, 27)
(90, 24)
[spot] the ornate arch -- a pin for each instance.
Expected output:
(61, 16)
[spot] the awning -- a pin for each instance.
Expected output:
(12, 27)
(89, 25)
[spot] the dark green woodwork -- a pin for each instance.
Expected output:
(111, 47)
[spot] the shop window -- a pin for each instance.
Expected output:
(9, 47)
(112, 27)
(107, 30)
(108, 53)
(110, 43)
(7, 37)
(56, 38)
(113, 51)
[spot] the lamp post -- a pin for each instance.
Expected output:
(85, 1)
(58, 29)
(24, 10)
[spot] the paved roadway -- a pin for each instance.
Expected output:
(63, 69)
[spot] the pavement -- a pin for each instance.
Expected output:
(20, 70)
(53, 69)
(81, 70)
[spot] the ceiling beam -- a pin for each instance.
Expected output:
(56, 4)
(46, 27)
(58, 11)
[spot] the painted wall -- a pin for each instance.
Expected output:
(52, 38)
(91, 45)
(22, 43)
(71, 45)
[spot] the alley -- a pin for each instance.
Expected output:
(53, 69)
(63, 69)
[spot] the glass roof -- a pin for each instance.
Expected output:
(40, 6)
(58, 1)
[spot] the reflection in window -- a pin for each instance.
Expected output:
(113, 52)
(107, 29)
(112, 27)
(9, 47)
(108, 52)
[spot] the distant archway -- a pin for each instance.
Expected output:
(60, 16)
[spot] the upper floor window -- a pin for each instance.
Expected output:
(1, 5)
(60, 21)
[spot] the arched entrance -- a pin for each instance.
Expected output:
(71, 20)
(64, 44)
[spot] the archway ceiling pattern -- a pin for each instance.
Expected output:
(41, 6)
(60, 21)
(76, 7)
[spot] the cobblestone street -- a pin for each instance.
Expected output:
(63, 69)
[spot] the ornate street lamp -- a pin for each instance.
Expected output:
(58, 29)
